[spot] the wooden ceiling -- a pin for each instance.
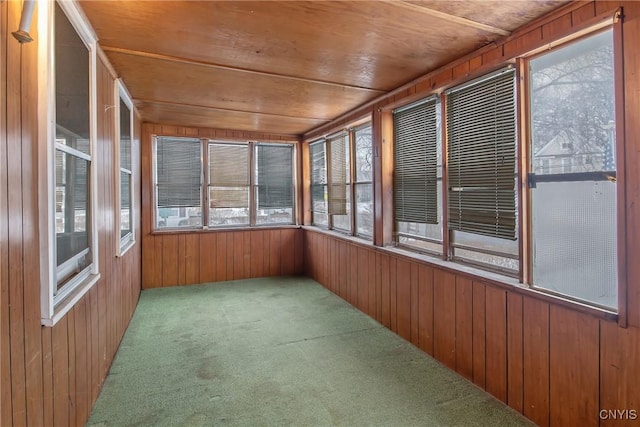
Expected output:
(286, 67)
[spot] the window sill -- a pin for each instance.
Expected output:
(125, 248)
(63, 307)
(476, 274)
(163, 232)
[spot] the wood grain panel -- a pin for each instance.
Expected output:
(496, 342)
(14, 223)
(55, 373)
(208, 258)
(515, 351)
(444, 317)
(479, 335)
(573, 368)
(536, 361)
(362, 302)
(6, 414)
(60, 349)
(371, 285)
(287, 251)
(425, 309)
(631, 60)
(238, 255)
(195, 84)
(383, 261)
(403, 298)
(195, 116)
(619, 388)
(464, 327)
(170, 260)
(415, 306)
(393, 293)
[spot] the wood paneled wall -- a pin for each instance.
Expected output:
(555, 365)
(554, 362)
(198, 256)
(52, 376)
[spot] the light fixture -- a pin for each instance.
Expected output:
(22, 35)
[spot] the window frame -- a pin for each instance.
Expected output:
(349, 133)
(127, 241)
(205, 184)
(608, 23)
(441, 211)
(54, 305)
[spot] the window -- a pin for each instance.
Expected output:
(319, 183)
(228, 184)
(124, 133)
(417, 179)
(274, 184)
(481, 166)
(341, 172)
(178, 179)
(574, 199)
(363, 165)
(70, 266)
(247, 183)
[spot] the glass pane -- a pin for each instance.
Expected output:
(364, 209)
(125, 136)
(275, 216)
(228, 216)
(343, 222)
(364, 155)
(572, 108)
(320, 219)
(574, 240)
(72, 85)
(72, 206)
(179, 217)
(319, 198)
(573, 131)
(125, 203)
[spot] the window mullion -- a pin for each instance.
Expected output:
(446, 233)
(352, 180)
(204, 177)
(252, 182)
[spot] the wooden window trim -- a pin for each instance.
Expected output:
(128, 241)
(54, 308)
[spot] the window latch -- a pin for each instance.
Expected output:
(531, 180)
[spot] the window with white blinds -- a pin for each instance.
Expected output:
(481, 133)
(178, 182)
(415, 178)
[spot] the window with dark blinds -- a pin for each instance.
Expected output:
(338, 174)
(274, 177)
(178, 172)
(481, 132)
(228, 175)
(415, 170)
(125, 136)
(318, 176)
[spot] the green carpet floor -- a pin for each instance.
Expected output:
(278, 351)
